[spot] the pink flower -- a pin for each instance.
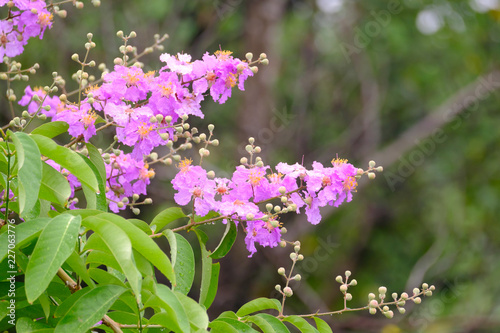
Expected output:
(81, 120)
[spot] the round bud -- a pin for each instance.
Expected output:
(277, 208)
(425, 286)
(118, 61)
(432, 288)
(89, 36)
(249, 56)
(206, 152)
(372, 310)
(251, 140)
(353, 282)
(168, 161)
(75, 57)
(277, 287)
(404, 296)
(373, 303)
(283, 231)
(254, 69)
(284, 199)
(274, 223)
(42, 116)
(281, 271)
(250, 216)
(132, 34)
(148, 201)
(136, 211)
(211, 174)
(257, 149)
(401, 303)
(371, 175)
(300, 257)
(260, 164)
(371, 164)
(288, 291)
(79, 5)
(92, 63)
(263, 56)
(186, 126)
(371, 296)
(120, 204)
(296, 248)
(282, 244)
(96, 3)
(264, 62)
(343, 288)
(428, 293)
(248, 148)
(293, 256)
(215, 142)
(417, 300)
(347, 273)
(389, 314)
(154, 156)
(385, 308)
(416, 291)
(382, 290)
(119, 34)
(153, 119)
(339, 279)
(203, 136)
(402, 310)
(297, 277)
(243, 160)
(25, 114)
(379, 169)
(135, 197)
(12, 98)
(211, 127)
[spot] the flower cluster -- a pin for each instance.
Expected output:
(26, 19)
(238, 198)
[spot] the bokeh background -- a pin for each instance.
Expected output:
(411, 84)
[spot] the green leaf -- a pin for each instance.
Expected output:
(268, 323)
(97, 160)
(206, 270)
(212, 287)
(30, 170)
(142, 243)
(259, 304)
(166, 299)
(226, 242)
(219, 326)
(167, 216)
(182, 260)
(54, 187)
(77, 264)
(198, 316)
(54, 246)
(52, 129)
(119, 245)
(45, 303)
(89, 309)
(104, 277)
(301, 324)
(234, 324)
(95, 200)
(27, 325)
(68, 303)
(322, 326)
(25, 233)
(67, 159)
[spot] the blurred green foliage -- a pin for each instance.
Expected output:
(439, 225)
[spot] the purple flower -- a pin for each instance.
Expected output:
(81, 120)
(263, 233)
(53, 101)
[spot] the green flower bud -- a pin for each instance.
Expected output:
(118, 61)
(132, 34)
(372, 310)
(293, 256)
(203, 136)
(300, 257)
(425, 286)
(249, 56)
(385, 308)
(211, 174)
(297, 277)
(402, 310)
(282, 244)
(296, 248)
(148, 201)
(416, 291)
(211, 127)
(250, 216)
(404, 296)
(277, 209)
(417, 300)
(257, 149)
(339, 279)
(215, 143)
(353, 282)
(120, 204)
(394, 296)
(371, 296)
(382, 290)
(380, 169)
(274, 223)
(281, 271)
(136, 211)
(371, 175)
(428, 293)
(254, 69)
(373, 303)
(284, 199)
(343, 288)
(168, 161)
(244, 160)
(260, 164)
(347, 273)
(277, 287)
(389, 314)
(264, 62)
(283, 231)
(371, 164)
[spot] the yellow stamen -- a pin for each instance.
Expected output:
(185, 164)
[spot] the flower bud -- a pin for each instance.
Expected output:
(382, 290)
(257, 149)
(281, 271)
(277, 287)
(264, 62)
(250, 216)
(343, 288)
(254, 69)
(432, 288)
(249, 56)
(371, 296)
(288, 291)
(402, 310)
(372, 310)
(243, 160)
(293, 256)
(215, 143)
(385, 308)
(389, 314)
(120, 204)
(203, 136)
(425, 286)
(371, 175)
(148, 201)
(132, 34)
(379, 169)
(371, 164)
(339, 279)
(211, 127)
(347, 273)
(274, 223)
(260, 164)
(211, 174)
(284, 199)
(168, 161)
(282, 244)
(79, 5)
(75, 57)
(373, 303)
(296, 248)
(353, 282)
(404, 296)
(135, 197)
(283, 231)
(297, 277)
(136, 211)
(416, 291)
(417, 300)
(277, 209)
(118, 61)
(300, 257)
